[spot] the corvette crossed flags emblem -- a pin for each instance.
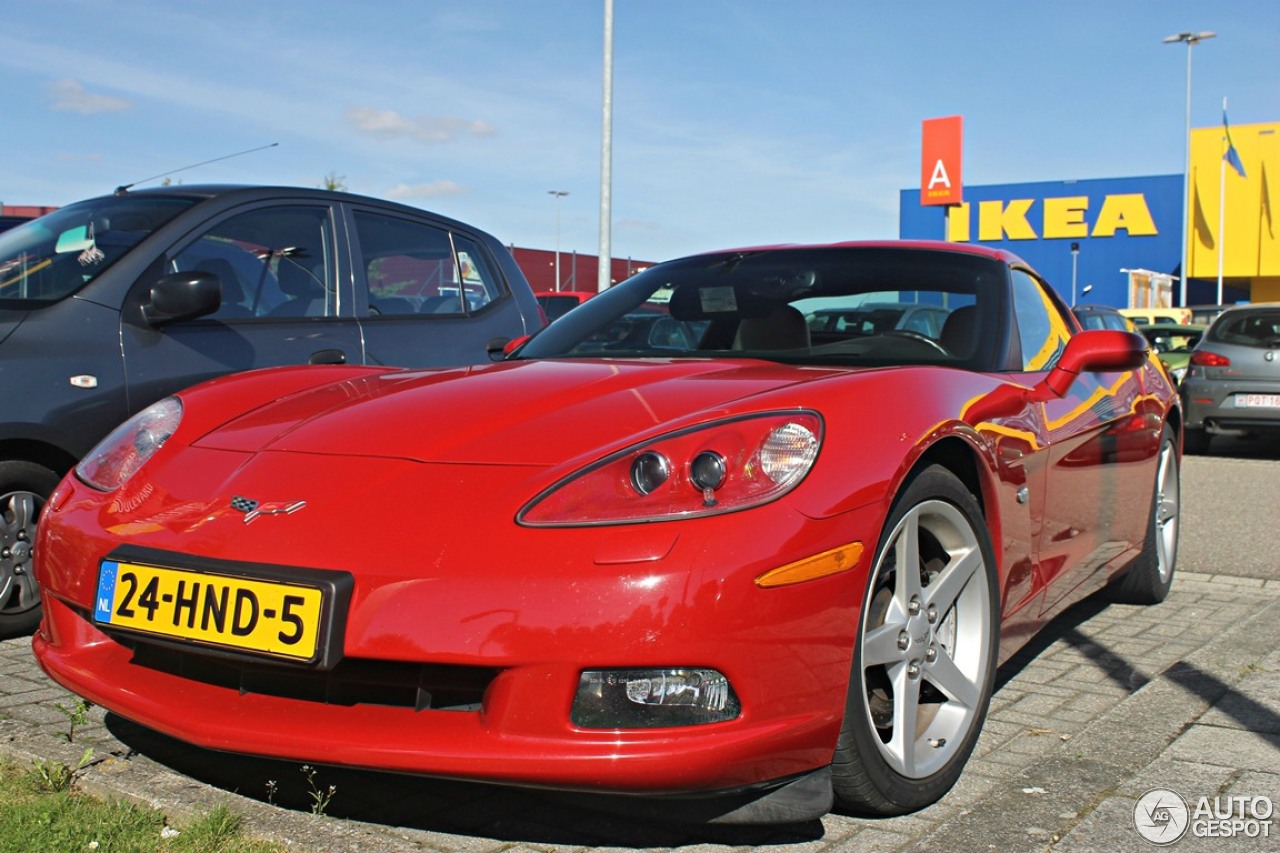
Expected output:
(252, 508)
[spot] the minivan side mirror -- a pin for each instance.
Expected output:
(182, 296)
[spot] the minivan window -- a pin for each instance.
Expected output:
(272, 261)
(412, 268)
(50, 258)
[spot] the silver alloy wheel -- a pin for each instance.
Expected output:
(926, 639)
(1168, 499)
(18, 513)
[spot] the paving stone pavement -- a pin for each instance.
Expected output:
(1108, 703)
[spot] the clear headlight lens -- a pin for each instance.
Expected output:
(719, 467)
(653, 698)
(119, 456)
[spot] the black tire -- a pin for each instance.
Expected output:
(1148, 578)
(948, 620)
(24, 487)
(1195, 441)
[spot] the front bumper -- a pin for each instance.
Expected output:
(518, 618)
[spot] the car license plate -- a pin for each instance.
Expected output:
(268, 617)
(1258, 401)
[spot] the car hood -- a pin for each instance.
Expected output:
(514, 413)
(10, 319)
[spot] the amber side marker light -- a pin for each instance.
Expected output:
(831, 562)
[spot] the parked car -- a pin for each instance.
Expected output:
(1102, 317)
(109, 304)
(753, 564)
(1206, 314)
(1151, 316)
(1173, 343)
(556, 303)
(879, 317)
(1232, 386)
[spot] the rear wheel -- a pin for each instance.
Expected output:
(24, 487)
(1149, 577)
(925, 654)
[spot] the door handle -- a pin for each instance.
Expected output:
(328, 356)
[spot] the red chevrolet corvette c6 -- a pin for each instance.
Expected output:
(723, 532)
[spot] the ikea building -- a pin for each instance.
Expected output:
(1118, 241)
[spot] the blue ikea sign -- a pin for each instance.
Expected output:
(1118, 223)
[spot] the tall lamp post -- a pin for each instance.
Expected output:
(1075, 257)
(1192, 39)
(559, 194)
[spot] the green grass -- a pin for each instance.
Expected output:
(34, 818)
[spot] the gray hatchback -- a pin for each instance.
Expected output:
(109, 304)
(1232, 386)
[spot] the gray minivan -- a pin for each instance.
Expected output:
(109, 304)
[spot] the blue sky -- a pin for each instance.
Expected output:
(735, 121)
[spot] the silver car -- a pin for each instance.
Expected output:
(1232, 386)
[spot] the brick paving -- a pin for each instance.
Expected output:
(1107, 703)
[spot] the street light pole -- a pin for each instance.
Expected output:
(1191, 39)
(559, 194)
(1075, 256)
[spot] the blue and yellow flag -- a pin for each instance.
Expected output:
(1232, 156)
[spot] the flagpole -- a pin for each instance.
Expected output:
(1222, 205)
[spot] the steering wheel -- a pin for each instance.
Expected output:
(919, 338)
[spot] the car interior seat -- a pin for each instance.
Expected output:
(783, 328)
(304, 291)
(232, 290)
(959, 333)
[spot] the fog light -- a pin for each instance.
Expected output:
(651, 698)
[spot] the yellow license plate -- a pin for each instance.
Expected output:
(263, 616)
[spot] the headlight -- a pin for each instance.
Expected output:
(119, 456)
(706, 470)
(651, 698)
(1178, 373)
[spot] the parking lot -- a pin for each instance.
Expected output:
(1108, 703)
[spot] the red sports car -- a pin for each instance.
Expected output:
(774, 569)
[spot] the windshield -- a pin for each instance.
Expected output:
(52, 257)
(857, 305)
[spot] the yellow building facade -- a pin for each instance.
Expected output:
(1245, 230)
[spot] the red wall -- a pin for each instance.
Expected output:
(577, 272)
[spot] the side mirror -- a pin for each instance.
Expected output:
(1096, 350)
(500, 348)
(182, 296)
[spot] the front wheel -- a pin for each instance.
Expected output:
(926, 652)
(24, 487)
(1149, 577)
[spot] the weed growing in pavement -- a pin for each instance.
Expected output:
(34, 818)
(320, 797)
(57, 777)
(272, 788)
(77, 715)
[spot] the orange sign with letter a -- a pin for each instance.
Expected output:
(940, 180)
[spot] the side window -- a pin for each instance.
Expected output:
(273, 262)
(479, 286)
(1041, 329)
(415, 268)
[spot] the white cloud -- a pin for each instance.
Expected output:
(71, 96)
(435, 189)
(389, 124)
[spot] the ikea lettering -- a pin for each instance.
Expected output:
(1060, 217)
